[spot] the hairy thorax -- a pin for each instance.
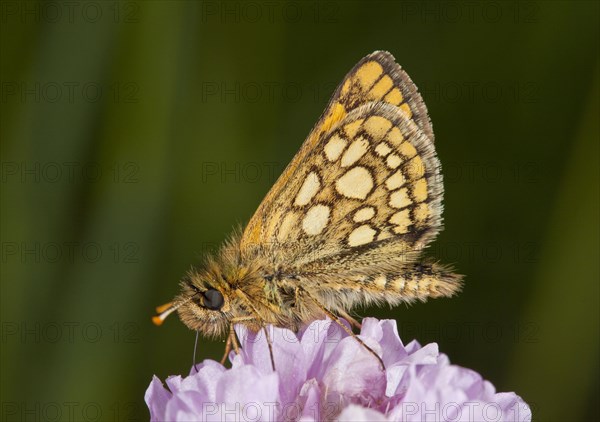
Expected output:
(255, 293)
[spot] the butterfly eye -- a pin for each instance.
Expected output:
(213, 299)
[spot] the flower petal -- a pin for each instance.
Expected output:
(156, 398)
(353, 372)
(358, 413)
(249, 394)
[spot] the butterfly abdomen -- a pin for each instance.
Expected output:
(416, 282)
(420, 282)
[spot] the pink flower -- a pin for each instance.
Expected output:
(323, 374)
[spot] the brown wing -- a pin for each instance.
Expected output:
(376, 78)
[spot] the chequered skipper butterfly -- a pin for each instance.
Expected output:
(343, 226)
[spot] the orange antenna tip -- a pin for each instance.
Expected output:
(160, 309)
(167, 309)
(164, 311)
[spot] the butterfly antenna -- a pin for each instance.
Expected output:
(167, 309)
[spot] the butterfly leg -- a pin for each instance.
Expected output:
(354, 323)
(227, 348)
(344, 326)
(270, 344)
(234, 340)
(231, 341)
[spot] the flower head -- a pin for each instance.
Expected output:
(324, 374)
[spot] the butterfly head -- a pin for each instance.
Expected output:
(203, 305)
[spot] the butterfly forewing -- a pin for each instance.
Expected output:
(378, 78)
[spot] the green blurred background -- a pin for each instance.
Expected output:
(136, 134)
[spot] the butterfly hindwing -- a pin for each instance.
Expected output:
(376, 78)
(372, 182)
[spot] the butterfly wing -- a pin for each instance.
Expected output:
(373, 181)
(349, 217)
(376, 78)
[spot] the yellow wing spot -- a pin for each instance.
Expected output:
(335, 147)
(415, 169)
(393, 97)
(406, 108)
(368, 74)
(356, 183)
(400, 199)
(377, 126)
(288, 224)
(383, 149)
(395, 137)
(400, 229)
(393, 161)
(421, 212)
(407, 149)
(401, 220)
(381, 87)
(395, 181)
(420, 190)
(352, 128)
(315, 219)
(357, 149)
(364, 214)
(337, 113)
(361, 235)
(309, 189)
(384, 234)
